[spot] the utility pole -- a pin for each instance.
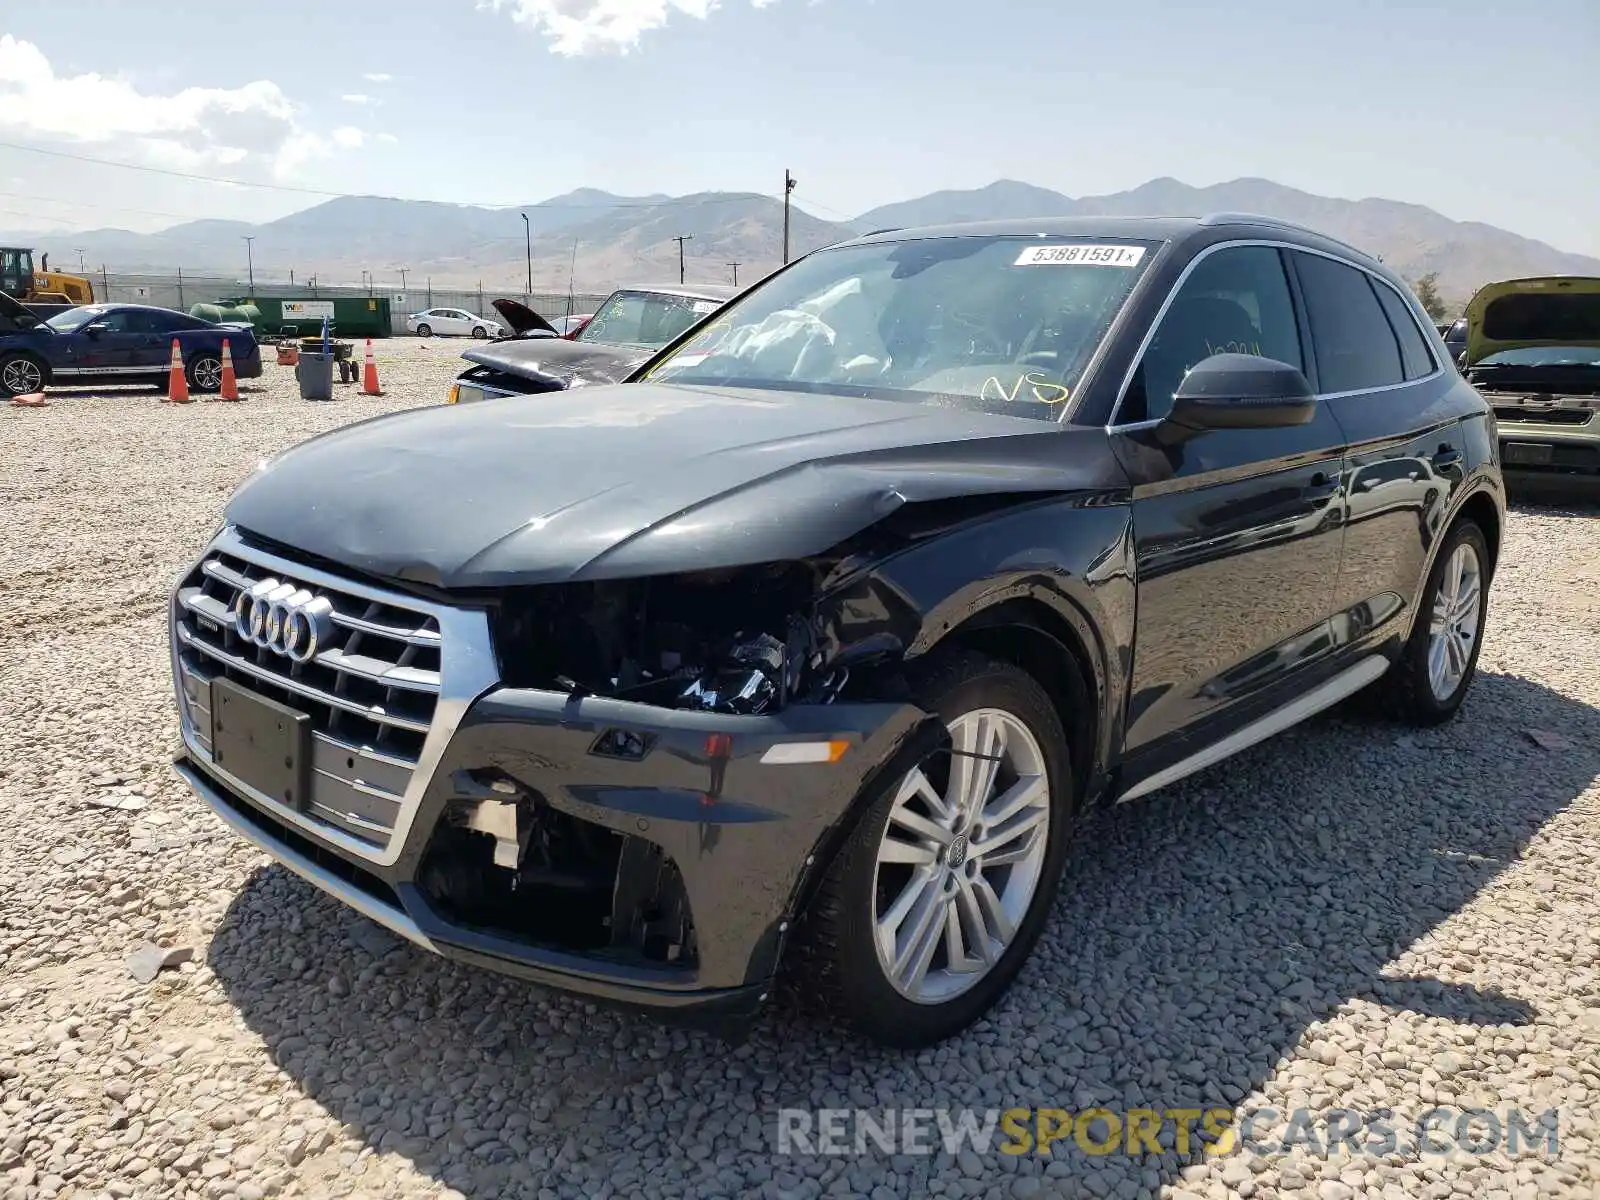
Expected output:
(250, 252)
(735, 267)
(788, 186)
(180, 288)
(527, 241)
(402, 271)
(81, 267)
(681, 239)
(572, 274)
(430, 291)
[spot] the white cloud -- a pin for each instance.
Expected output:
(195, 128)
(388, 138)
(348, 137)
(578, 27)
(377, 77)
(357, 98)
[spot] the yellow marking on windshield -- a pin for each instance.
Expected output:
(1044, 391)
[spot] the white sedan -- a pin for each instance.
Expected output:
(457, 322)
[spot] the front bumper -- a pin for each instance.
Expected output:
(747, 834)
(1547, 443)
(1533, 451)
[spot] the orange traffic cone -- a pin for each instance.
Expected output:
(369, 374)
(230, 381)
(177, 381)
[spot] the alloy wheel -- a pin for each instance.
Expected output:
(22, 377)
(1454, 624)
(961, 857)
(207, 374)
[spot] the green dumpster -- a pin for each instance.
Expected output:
(291, 316)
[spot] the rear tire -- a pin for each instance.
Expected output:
(424, 330)
(1429, 681)
(22, 375)
(205, 373)
(947, 883)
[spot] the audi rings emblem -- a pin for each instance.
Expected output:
(284, 618)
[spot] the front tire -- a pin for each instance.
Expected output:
(1435, 670)
(937, 897)
(479, 332)
(22, 375)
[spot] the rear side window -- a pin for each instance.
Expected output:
(1355, 346)
(1414, 355)
(1235, 301)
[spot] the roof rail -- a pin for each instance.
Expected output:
(1242, 218)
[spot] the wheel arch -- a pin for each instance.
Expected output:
(1039, 640)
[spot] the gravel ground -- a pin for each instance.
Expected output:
(1347, 917)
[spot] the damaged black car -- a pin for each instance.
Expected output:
(797, 659)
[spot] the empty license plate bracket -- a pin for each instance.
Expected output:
(261, 743)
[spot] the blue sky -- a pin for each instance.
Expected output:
(1481, 110)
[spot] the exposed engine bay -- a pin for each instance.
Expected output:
(746, 640)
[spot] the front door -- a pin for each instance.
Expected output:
(1236, 532)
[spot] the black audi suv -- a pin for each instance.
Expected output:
(801, 652)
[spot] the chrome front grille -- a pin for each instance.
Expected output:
(384, 689)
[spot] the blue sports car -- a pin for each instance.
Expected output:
(116, 343)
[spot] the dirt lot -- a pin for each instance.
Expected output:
(1343, 918)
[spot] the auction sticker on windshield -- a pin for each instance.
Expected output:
(1080, 255)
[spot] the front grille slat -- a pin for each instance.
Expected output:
(371, 690)
(372, 712)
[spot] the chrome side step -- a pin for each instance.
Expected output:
(1347, 682)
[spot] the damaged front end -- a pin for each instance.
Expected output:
(743, 641)
(657, 748)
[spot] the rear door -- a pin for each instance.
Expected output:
(1236, 532)
(1376, 372)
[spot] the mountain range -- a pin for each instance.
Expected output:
(622, 239)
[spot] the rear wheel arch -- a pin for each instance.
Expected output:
(1481, 509)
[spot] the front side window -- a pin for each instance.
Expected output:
(1235, 301)
(1356, 346)
(997, 324)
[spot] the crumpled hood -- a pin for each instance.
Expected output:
(557, 363)
(635, 480)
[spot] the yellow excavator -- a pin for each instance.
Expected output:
(44, 287)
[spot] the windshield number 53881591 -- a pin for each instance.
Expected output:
(1080, 255)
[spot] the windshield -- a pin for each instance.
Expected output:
(644, 318)
(1000, 324)
(1545, 356)
(74, 318)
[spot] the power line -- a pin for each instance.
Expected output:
(261, 185)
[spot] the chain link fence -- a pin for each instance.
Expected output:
(181, 291)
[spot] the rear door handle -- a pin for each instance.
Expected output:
(1448, 459)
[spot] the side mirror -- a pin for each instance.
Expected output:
(96, 329)
(1242, 391)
